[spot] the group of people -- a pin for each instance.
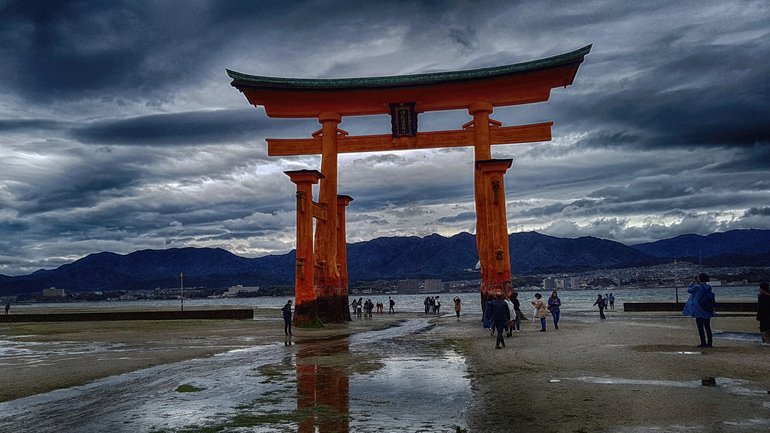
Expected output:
(361, 308)
(432, 305)
(504, 315)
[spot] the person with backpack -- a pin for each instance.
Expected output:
(700, 305)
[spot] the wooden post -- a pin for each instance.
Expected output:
(342, 251)
(306, 308)
(498, 271)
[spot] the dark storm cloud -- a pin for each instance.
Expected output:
(84, 49)
(21, 125)
(179, 128)
(765, 211)
(462, 217)
(693, 95)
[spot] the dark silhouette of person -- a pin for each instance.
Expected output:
(602, 305)
(499, 314)
(391, 305)
(7, 308)
(700, 305)
(763, 312)
(286, 311)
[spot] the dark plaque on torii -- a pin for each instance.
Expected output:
(403, 119)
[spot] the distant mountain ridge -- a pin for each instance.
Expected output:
(433, 256)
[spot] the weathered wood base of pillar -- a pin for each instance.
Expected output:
(306, 315)
(333, 309)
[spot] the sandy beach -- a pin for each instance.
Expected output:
(630, 373)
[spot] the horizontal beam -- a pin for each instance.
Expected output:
(319, 211)
(423, 140)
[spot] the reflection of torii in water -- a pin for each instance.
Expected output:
(321, 261)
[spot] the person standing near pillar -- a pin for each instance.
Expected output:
(499, 315)
(286, 311)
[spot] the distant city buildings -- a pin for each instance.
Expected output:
(240, 291)
(433, 286)
(53, 292)
(410, 287)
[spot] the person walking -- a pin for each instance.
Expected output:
(368, 307)
(541, 312)
(391, 305)
(554, 303)
(499, 315)
(763, 312)
(518, 315)
(486, 320)
(286, 311)
(511, 315)
(601, 304)
(360, 307)
(700, 305)
(7, 308)
(457, 302)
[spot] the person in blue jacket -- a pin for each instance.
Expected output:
(498, 313)
(700, 305)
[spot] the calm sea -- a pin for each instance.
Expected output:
(581, 300)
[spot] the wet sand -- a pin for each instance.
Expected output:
(631, 373)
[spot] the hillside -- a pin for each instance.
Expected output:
(390, 258)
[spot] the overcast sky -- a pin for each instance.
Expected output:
(119, 130)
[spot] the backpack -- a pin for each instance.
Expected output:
(708, 301)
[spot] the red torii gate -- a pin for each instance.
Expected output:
(321, 267)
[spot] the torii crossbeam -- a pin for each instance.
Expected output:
(403, 97)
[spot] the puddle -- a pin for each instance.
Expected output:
(15, 352)
(732, 386)
(369, 382)
(739, 336)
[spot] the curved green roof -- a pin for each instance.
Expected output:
(240, 79)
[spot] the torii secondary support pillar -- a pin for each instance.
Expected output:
(497, 275)
(306, 308)
(342, 254)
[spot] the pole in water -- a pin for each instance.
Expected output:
(181, 289)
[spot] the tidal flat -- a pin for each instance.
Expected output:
(406, 372)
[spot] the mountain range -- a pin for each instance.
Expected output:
(389, 258)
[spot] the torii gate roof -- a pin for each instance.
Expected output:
(519, 83)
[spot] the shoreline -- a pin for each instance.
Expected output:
(631, 372)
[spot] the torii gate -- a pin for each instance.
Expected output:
(321, 267)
